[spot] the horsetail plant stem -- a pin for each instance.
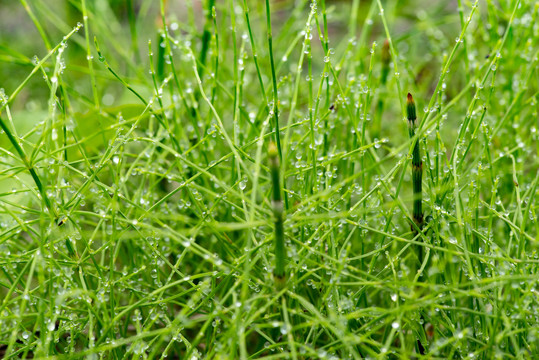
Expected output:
(30, 168)
(274, 81)
(206, 37)
(279, 274)
(417, 167)
(386, 59)
(417, 177)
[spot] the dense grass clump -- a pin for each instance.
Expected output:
(246, 179)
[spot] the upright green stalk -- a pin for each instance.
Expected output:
(417, 167)
(386, 59)
(274, 81)
(132, 18)
(160, 63)
(255, 53)
(417, 213)
(279, 274)
(206, 37)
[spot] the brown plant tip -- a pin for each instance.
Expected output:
(386, 55)
(410, 110)
(418, 167)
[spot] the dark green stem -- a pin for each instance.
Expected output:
(417, 168)
(160, 66)
(206, 37)
(277, 204)
(417, 177)
(386, 59)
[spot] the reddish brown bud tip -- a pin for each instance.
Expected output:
(386, 55)
(410, 108)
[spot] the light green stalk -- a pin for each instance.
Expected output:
(30, 167)
(274, 81)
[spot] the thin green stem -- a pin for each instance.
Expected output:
(275, 108)
(279, 273)
(30, 167)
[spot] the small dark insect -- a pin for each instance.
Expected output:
(62, 221)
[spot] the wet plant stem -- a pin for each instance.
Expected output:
(386, 59)
(417, 167)
(29, 166)
(417, 178)
(279, 274)
(274, 81)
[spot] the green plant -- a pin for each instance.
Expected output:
(237, 188)
(277, 208)
(417, 167)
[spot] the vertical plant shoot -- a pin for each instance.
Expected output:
(417, 176)
(386, 59)
(274, 81)
(160, 66)
(417, 167)
(206, 37)
(277, 204)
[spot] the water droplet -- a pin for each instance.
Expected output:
(243, 184)
(51, 326)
